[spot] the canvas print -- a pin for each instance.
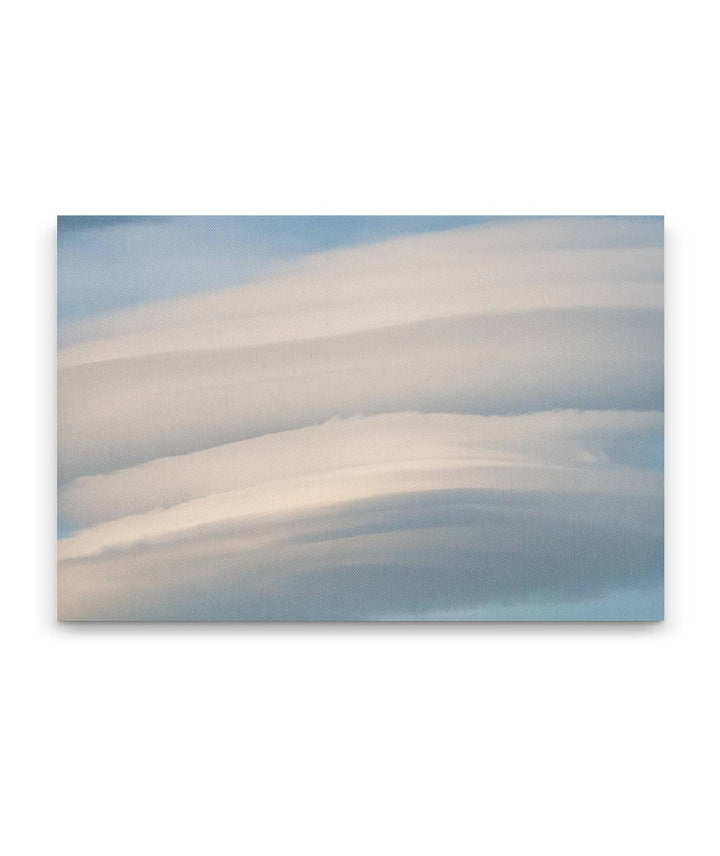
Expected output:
(360, 418)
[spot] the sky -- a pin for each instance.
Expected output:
(106, 263)
(360, 418)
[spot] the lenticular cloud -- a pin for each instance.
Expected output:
(451, 425)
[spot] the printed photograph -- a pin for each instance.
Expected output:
(360, 418)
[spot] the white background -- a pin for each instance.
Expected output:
(359, 739)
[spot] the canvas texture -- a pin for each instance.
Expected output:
(360, 418)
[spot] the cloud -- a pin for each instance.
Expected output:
(426, 426)
(116, 413)
(407, 554)
(518, 266)
(360, 457)
(314, 500)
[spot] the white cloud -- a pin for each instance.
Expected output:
(497, 268)
(351, 460)
(449, 404)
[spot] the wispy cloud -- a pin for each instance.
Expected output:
(438, 422)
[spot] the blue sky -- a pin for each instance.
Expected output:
(107, 263)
